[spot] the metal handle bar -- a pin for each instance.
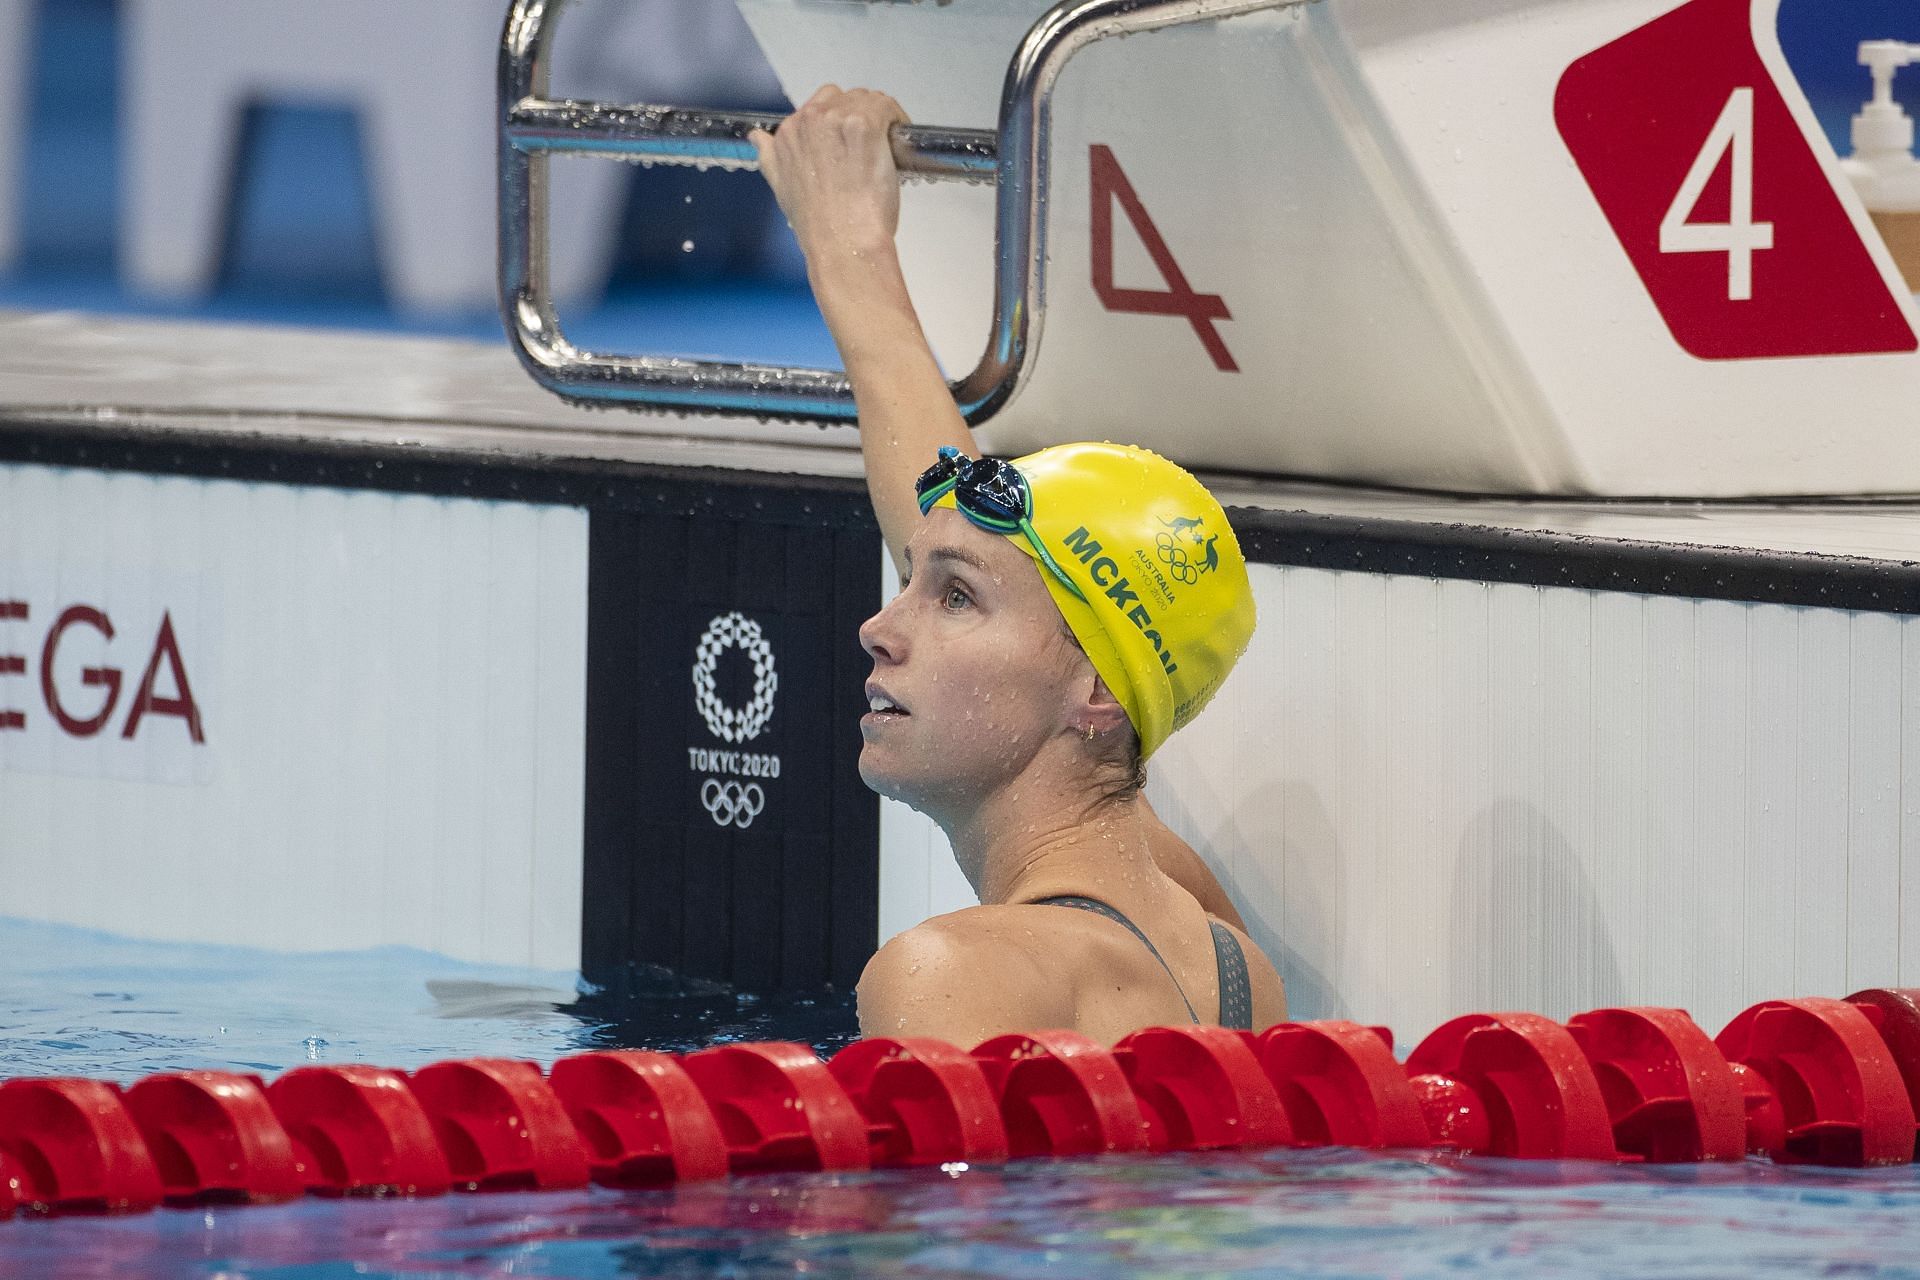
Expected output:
(676, 135)
(1017, 157)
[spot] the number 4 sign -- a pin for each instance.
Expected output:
(1716, 196)
(1109, 184)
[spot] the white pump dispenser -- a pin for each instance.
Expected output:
(1883, 125)
(1882, 167)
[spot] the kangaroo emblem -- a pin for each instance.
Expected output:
(1181, 524)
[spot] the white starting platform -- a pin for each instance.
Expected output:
(1554, 391)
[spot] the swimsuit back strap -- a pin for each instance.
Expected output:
(1236, 992)
(1102, 909)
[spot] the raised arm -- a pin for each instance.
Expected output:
(831, 166)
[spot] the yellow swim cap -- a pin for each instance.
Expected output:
(1168, 608)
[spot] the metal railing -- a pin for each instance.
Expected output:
(1017, 157)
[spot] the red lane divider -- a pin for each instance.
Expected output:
(925, 1102)
(500, 1125)
(1541, 1098)
(1201, 1088)
(1836, 1083)
(359, 1131)
(1061, 1094)
(74, 1148)
(1801, 1081)
(642, 1118)
(1670, 1096)
(1341, 1086)
(1455, 1116)
(779, 1108)
(1895, 1014)
(213, 1136)
(1766, 1122)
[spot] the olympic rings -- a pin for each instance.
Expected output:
(1174, 556)
(732, 804)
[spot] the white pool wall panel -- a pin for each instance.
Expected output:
(392, 694)
(1435, 796)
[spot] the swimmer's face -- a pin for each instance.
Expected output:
(976, 656)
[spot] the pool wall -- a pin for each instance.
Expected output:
(291, 716)
(559, 717)
(1451, 773)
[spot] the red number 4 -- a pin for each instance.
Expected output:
(1109, 184)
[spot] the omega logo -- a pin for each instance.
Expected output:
(84, 715)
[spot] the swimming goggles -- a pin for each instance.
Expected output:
(993, 495)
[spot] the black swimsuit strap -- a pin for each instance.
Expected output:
(1236, 992)
(1102, 909)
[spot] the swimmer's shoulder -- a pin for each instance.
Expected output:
(965, 976)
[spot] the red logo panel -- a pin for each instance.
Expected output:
(1716, 195)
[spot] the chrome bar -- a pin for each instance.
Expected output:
(676, 135)
(1018, 157)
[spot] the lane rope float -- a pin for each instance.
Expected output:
(1808, 1081)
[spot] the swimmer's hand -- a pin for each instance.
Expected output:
(831, 167)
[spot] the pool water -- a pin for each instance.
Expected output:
(76, 1002)
(79, 1002)
(1291, 1213)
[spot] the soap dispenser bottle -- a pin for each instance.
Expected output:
(1882, 167)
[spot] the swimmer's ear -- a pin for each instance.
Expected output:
(1103, 712)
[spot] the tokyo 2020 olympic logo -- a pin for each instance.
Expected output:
(735, 724)
(733, 801)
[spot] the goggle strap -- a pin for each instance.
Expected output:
(936, 492)
(1046, 558)
(988, 521)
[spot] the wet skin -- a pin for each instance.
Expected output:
(981, 663)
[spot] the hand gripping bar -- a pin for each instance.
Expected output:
(1016, 157)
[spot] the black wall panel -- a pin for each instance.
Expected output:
(755, 862)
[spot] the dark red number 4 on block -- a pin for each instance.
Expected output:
(1201, 310)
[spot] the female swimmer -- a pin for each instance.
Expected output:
(1058, 617)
